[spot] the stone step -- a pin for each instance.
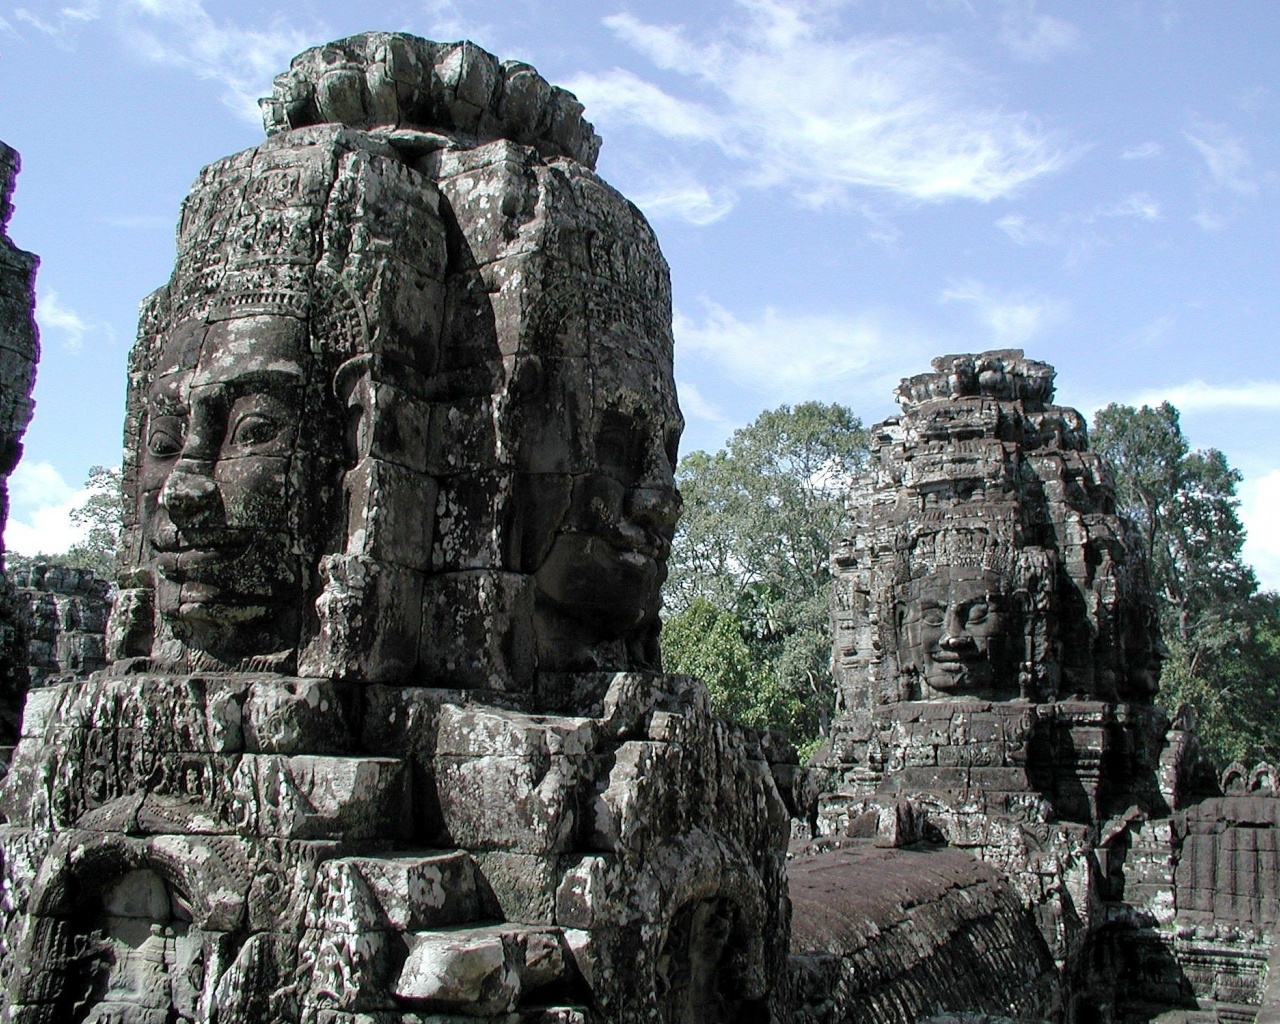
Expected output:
(485, 969)
(401, 891)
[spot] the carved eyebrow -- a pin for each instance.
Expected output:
(278, 376)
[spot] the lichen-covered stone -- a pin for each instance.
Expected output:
(384, 735)
(19, 352)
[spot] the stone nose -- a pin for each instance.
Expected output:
(190, 495)
(658, 508)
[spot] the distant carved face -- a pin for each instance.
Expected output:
(953, 629)
(219, 480)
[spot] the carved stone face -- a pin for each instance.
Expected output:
(606, 562)
(953, 630)
(609, 562)
(219, 484)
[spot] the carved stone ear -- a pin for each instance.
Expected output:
(352, 386)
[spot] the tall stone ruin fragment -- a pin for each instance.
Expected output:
(19, 351)
(998, 759)
(384, 734)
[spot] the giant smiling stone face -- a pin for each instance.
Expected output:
(220, 474)
(954, 630)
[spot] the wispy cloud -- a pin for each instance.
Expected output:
(40, 514)
(696, 406)
(1011, 318)
(688, 200)
(1259, 500)
(623, 98)
(183, 34)
(61, 321)
(1139, 205)
(1228, 176)
(1157, 329)
(1081, 233)
(1198, 396)
(62, 24)
(446, 21)
(796, 104)
(1035, 37)
(1142, 151)
(796, 356)
(1225, 155)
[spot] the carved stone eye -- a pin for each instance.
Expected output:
(167, 436)
(978, 612)
(933, 615)
(254, 428)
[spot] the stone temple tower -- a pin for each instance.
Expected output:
(384, 735)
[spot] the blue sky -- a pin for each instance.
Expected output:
(843, 190)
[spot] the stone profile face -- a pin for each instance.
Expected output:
(987, 560)
(605, 559)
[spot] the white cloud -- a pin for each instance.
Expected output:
(1031, 36)
(622, 98)
(55, 319)
(1157, 329)
(695, 405)
(686, 199)
(40, 514)
(1143, 151)
(1080, 233)
(800, 106)
(1228, 177)
(447, 22)
(1259, 500)
(795, 357)
(61, 26)
(1197, 396)
(1139, 205)
(1225, 155)
(1012, 319)
(181, 33)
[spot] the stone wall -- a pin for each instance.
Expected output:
(384, 735)
(896, 935)
(64, 619)
(19, 351)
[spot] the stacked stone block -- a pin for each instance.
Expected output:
(19, 352)
(383, 737)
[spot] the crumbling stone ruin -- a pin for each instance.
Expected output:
(384, 735)
(19, 350)
(996, 658)
(63, 612)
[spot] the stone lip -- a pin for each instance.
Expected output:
(392, 79)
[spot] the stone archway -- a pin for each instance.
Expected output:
(147, 955)
(699, 970)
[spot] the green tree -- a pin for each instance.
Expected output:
(1221, 633)
(102, 515)
(752, 555)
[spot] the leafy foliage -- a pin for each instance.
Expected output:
(1223, 636)
(751, 559)
(102, 514)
